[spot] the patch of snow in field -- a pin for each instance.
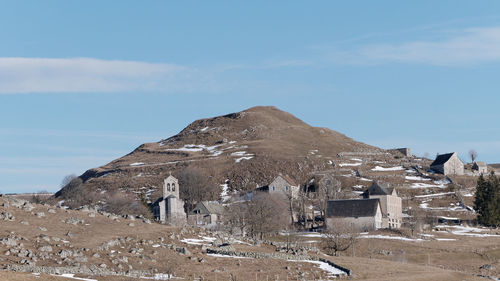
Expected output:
(468, 231)
(330, 162)
(357, 186)
(311, 234)
(349, 164)
(160, 276)
(241, 242)
(468, 195)
(411, 171)
(382, 169)
(324, 266)
(227, 256)
(238, 160)
(239, 153)
(391, 238)
(204, 129)
(136, 164)
(72, 276)
(356, 159)
(435, 194)
(438, 184)
(193, 241)
(155, 245)
(445, 239)
(416, 178)
(232, 142)
(365, 179)
(424, 205)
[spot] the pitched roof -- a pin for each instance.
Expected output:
(352, 208)
(480, 164)
(441, 159)
(378, 189)
(288, 179)
(206, 207)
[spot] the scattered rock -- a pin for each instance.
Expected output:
(40, 214)
(45, 249)
(6, 216)
(74, 221)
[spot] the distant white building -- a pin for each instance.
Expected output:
(480, 168)
(282, 184)
(390, 203)
(170, 208)
(448, 164)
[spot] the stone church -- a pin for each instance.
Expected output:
(170, 208)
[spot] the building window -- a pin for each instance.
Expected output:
(273, 187)
(286, 188)
(173, 187)
(168, 187)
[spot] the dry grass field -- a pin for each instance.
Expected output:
(124, 245)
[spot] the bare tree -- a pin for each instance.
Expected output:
(472, 155)
(265, 214)
(339, 237)
(236, 217)
(196, 187)
(328, 189)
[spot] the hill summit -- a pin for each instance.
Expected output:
(247, 148)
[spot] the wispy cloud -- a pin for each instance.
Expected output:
(70, 75)
(465, 47)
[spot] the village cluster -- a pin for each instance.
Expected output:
(378, 206)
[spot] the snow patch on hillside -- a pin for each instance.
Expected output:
(382, 169)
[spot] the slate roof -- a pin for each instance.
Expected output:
(206, 207)
(441, 159)
(352, 208)
(378, 189)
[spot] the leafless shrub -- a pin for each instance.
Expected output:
(339, 237)
(123, 204)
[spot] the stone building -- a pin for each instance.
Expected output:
(360, 214)
(406, 151)
(170, 208)
(390, 203)
(206, 213)
(448, 164)
(282, 184)
(480, 168)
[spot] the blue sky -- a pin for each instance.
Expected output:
(84, 82)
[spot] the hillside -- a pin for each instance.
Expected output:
(248, 148)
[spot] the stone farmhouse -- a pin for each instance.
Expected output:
(206, 214)
(282, 184)
(480, 168)
(170, 208)
(448, 164)
(390, 203)
(359, 214)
